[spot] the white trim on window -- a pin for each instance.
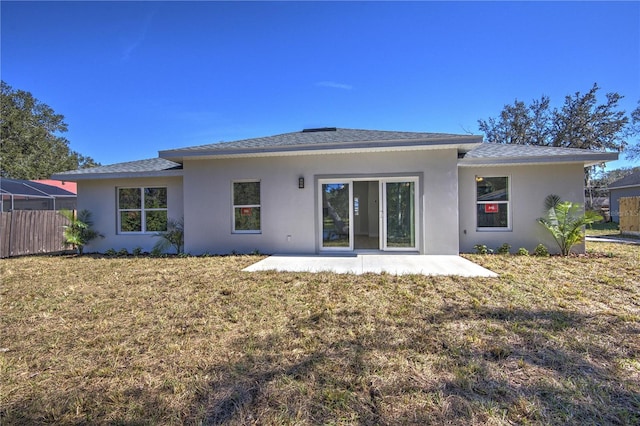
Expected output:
(253, 209)
(141, 209)
(349, 216)
(382, 182)
(415, 222)
(493, 203)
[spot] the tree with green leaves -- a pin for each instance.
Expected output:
(582, 122)
(565, 221)
(31, 145)
(633, 151)
(520, 124)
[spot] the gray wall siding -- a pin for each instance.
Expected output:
(99, 197)
(446, 201)
(530, 185)
(289, 211)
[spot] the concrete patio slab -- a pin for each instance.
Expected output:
(374, 263)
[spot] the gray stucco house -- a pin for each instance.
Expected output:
(334, 190)
(628, 186)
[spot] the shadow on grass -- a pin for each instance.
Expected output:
(520, 371)
(572, 381)
(458, 365)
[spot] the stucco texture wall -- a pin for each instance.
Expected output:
(529, 186)
(290, 215)
(99, 197)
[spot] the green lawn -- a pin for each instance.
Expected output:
(603, 229)
(608, 229)
(94, 340)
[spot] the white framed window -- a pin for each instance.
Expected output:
(246, 207)
(493, 209)
(142, 210)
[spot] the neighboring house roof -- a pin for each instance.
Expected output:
(503, 154)
(67, 186)
(27, 188)
(152, 167)
(628, 181)
(324, 140)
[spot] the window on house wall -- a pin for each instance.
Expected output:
(492, 203)
(142, 209)
(246, 207)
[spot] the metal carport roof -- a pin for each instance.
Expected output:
(20, 189)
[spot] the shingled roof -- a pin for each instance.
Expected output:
(501, 154)
(141, 168)
(472, 152)
(630, 180)
(323, 139)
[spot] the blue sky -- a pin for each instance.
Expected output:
(132, 78)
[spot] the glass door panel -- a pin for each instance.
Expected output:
(336, 207)
(400, 224)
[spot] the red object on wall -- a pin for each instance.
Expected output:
(491, 208)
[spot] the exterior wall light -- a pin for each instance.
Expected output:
(301, 182)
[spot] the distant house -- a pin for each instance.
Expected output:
(628, 186)
(67, 186)
(35, 195)
(333, 190)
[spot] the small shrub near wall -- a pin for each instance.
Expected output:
(504, 249)
(541, 250)
(482, 249)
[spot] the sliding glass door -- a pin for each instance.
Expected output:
(336, 215)
(369, 214)
(399, 201)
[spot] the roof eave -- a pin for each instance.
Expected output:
(178, 155)
(633, 185)
(75, 177)
(587, 160)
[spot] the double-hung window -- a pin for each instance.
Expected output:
(492, 203)
(142, 209)
(246, 207)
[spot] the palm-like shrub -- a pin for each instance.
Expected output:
(78, 232)
(566, 221)
(172, 237)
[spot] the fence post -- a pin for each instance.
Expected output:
(11, 226)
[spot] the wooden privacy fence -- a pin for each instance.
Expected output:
(31, 232)
(630, 215)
